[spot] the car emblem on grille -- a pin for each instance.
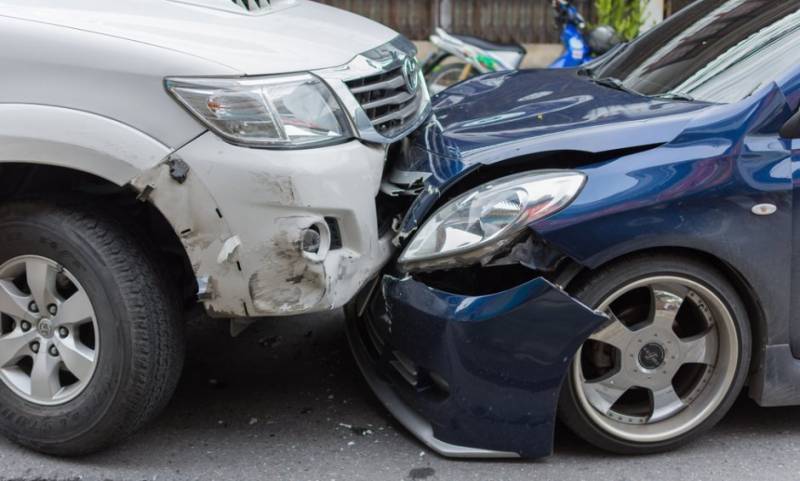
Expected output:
(411, 74)
(253, 5)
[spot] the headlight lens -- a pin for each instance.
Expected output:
(295, 111)
(484, 220)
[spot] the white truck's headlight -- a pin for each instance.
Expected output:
(291, 111)
(484, 220)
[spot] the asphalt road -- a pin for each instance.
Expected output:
(285, 402)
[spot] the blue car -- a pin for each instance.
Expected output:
(617, 247)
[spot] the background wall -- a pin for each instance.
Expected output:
(524, 21)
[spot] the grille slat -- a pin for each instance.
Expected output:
(393, 83)
(388, 100)
(400, 98)
(401, 115)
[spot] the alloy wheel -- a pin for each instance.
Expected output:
(664, 362)
(49, 339)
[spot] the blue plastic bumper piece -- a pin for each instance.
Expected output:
(480, 375)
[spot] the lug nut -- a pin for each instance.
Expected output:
(33, 307)
(35, 346)
(53, 351)
(52, 309)
(63, 332)
(25, 325)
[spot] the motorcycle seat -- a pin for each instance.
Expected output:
(486, 45)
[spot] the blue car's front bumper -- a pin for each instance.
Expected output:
(472, 376)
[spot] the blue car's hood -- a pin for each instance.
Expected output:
(511, 114)
(515, 115)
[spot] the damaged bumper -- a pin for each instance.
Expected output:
(471, 376)
(272, 232)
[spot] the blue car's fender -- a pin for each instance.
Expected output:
(697, 192)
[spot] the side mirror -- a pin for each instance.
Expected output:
(791, 129)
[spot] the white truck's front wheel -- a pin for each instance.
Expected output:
(91, 345)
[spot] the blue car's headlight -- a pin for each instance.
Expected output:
(481, 222)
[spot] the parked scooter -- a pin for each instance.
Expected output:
(478, 56)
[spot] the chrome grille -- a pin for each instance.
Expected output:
(383, 91)
(390, 99)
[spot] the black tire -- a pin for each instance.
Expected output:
(142, 350)
(597, 287)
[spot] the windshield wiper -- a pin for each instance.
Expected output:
(617, 84)
(614, 83)
(587, 72)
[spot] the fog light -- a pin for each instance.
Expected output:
(315, 242)
(312, 240)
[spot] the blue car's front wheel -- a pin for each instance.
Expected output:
(668, 364)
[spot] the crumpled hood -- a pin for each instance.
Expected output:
(511, 114)
(294, 35)
(516, 115)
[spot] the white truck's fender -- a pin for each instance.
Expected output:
(40, 134)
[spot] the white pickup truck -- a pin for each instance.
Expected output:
(156, 153)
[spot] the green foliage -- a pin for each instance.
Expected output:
(626, 16)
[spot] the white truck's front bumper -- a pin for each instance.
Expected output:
(241, 214)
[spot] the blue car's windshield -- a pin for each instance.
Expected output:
(713, 50)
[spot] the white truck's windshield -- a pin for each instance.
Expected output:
(714, 50)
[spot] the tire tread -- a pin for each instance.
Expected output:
(151, 309)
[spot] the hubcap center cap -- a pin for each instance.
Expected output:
(651, 356)
(45, 328)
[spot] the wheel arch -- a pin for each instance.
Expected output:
(78, 140)
(40, 181)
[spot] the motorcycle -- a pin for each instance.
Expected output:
(478, 56)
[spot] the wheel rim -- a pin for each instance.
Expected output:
(49, 340)
(663, 364)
